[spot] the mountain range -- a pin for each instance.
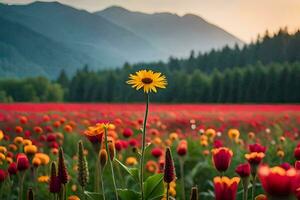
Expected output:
(42, 38)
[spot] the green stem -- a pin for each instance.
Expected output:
(111, 164)
(21, 181)
(102, 184)
(168, 187)
(143, 148)
(181, 162)
(253, 186)
(97, 173)
(83, 195)
(245, 182)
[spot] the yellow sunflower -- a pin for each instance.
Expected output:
(148, 80)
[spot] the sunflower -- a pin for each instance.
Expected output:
(148, 80)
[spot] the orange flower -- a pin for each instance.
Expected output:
(131, 161)
(95, 133)
(152, 166)
(211, 133)
(18, 140)
(226, 188)
(234, 134)
(30, 149)
(43, 157)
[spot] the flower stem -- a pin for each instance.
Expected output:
(21, 181)
(253, 186)
(97, 174)
(102, 184)
(181, 162)
(111, 164)
(143, 147)
(168, 187)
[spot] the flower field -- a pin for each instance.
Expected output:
(210, 146)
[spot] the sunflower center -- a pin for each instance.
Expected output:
(147, 80)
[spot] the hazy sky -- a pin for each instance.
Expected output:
(243, 18)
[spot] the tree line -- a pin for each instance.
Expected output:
(265, 71)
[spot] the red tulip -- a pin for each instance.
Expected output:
(297, 153)
(226, 188)
(218, 143)
(118, 145)
(257, 148)
(243, 170)
(182, 148)
(3, 175)
(22, 162)
(156, 152)
(127, 132)
(254, 158)
(222, 158)
(297, 165)
(286, 166)
(278, 182)
(12, 169)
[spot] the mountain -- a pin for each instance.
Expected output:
(42, 38)
(23, 52)
(172, 34)
(100, 42)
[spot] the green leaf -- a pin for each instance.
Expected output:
(126, 194)
(154, 187)
(134, 172)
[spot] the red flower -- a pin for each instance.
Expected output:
(297, 165)
(156, 152)
(243, 170)
(257, 148)
(12, 169)
(254, 158)
(169, 170)
(133, 142)
(22, 162)
(222, 158)
(218, 144)
(127, 132)
(3, 175)
(226, 188)
(118, 145)
(182, 148)
(286, 166)
(297, 153)
(278, 182)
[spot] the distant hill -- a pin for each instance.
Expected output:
(23, 52)
(41, 38)
(172, 34)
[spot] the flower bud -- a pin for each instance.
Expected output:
(3, 175)
(222, 158)
(30, 195)
(243, 170)
(62, 170)
(103, 157)
(194, 194)
(54, 183)
(83, 172)
(22, 162)
(169, 170)
(111, 149)
(12, 169)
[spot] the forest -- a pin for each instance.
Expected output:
(264, 71)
